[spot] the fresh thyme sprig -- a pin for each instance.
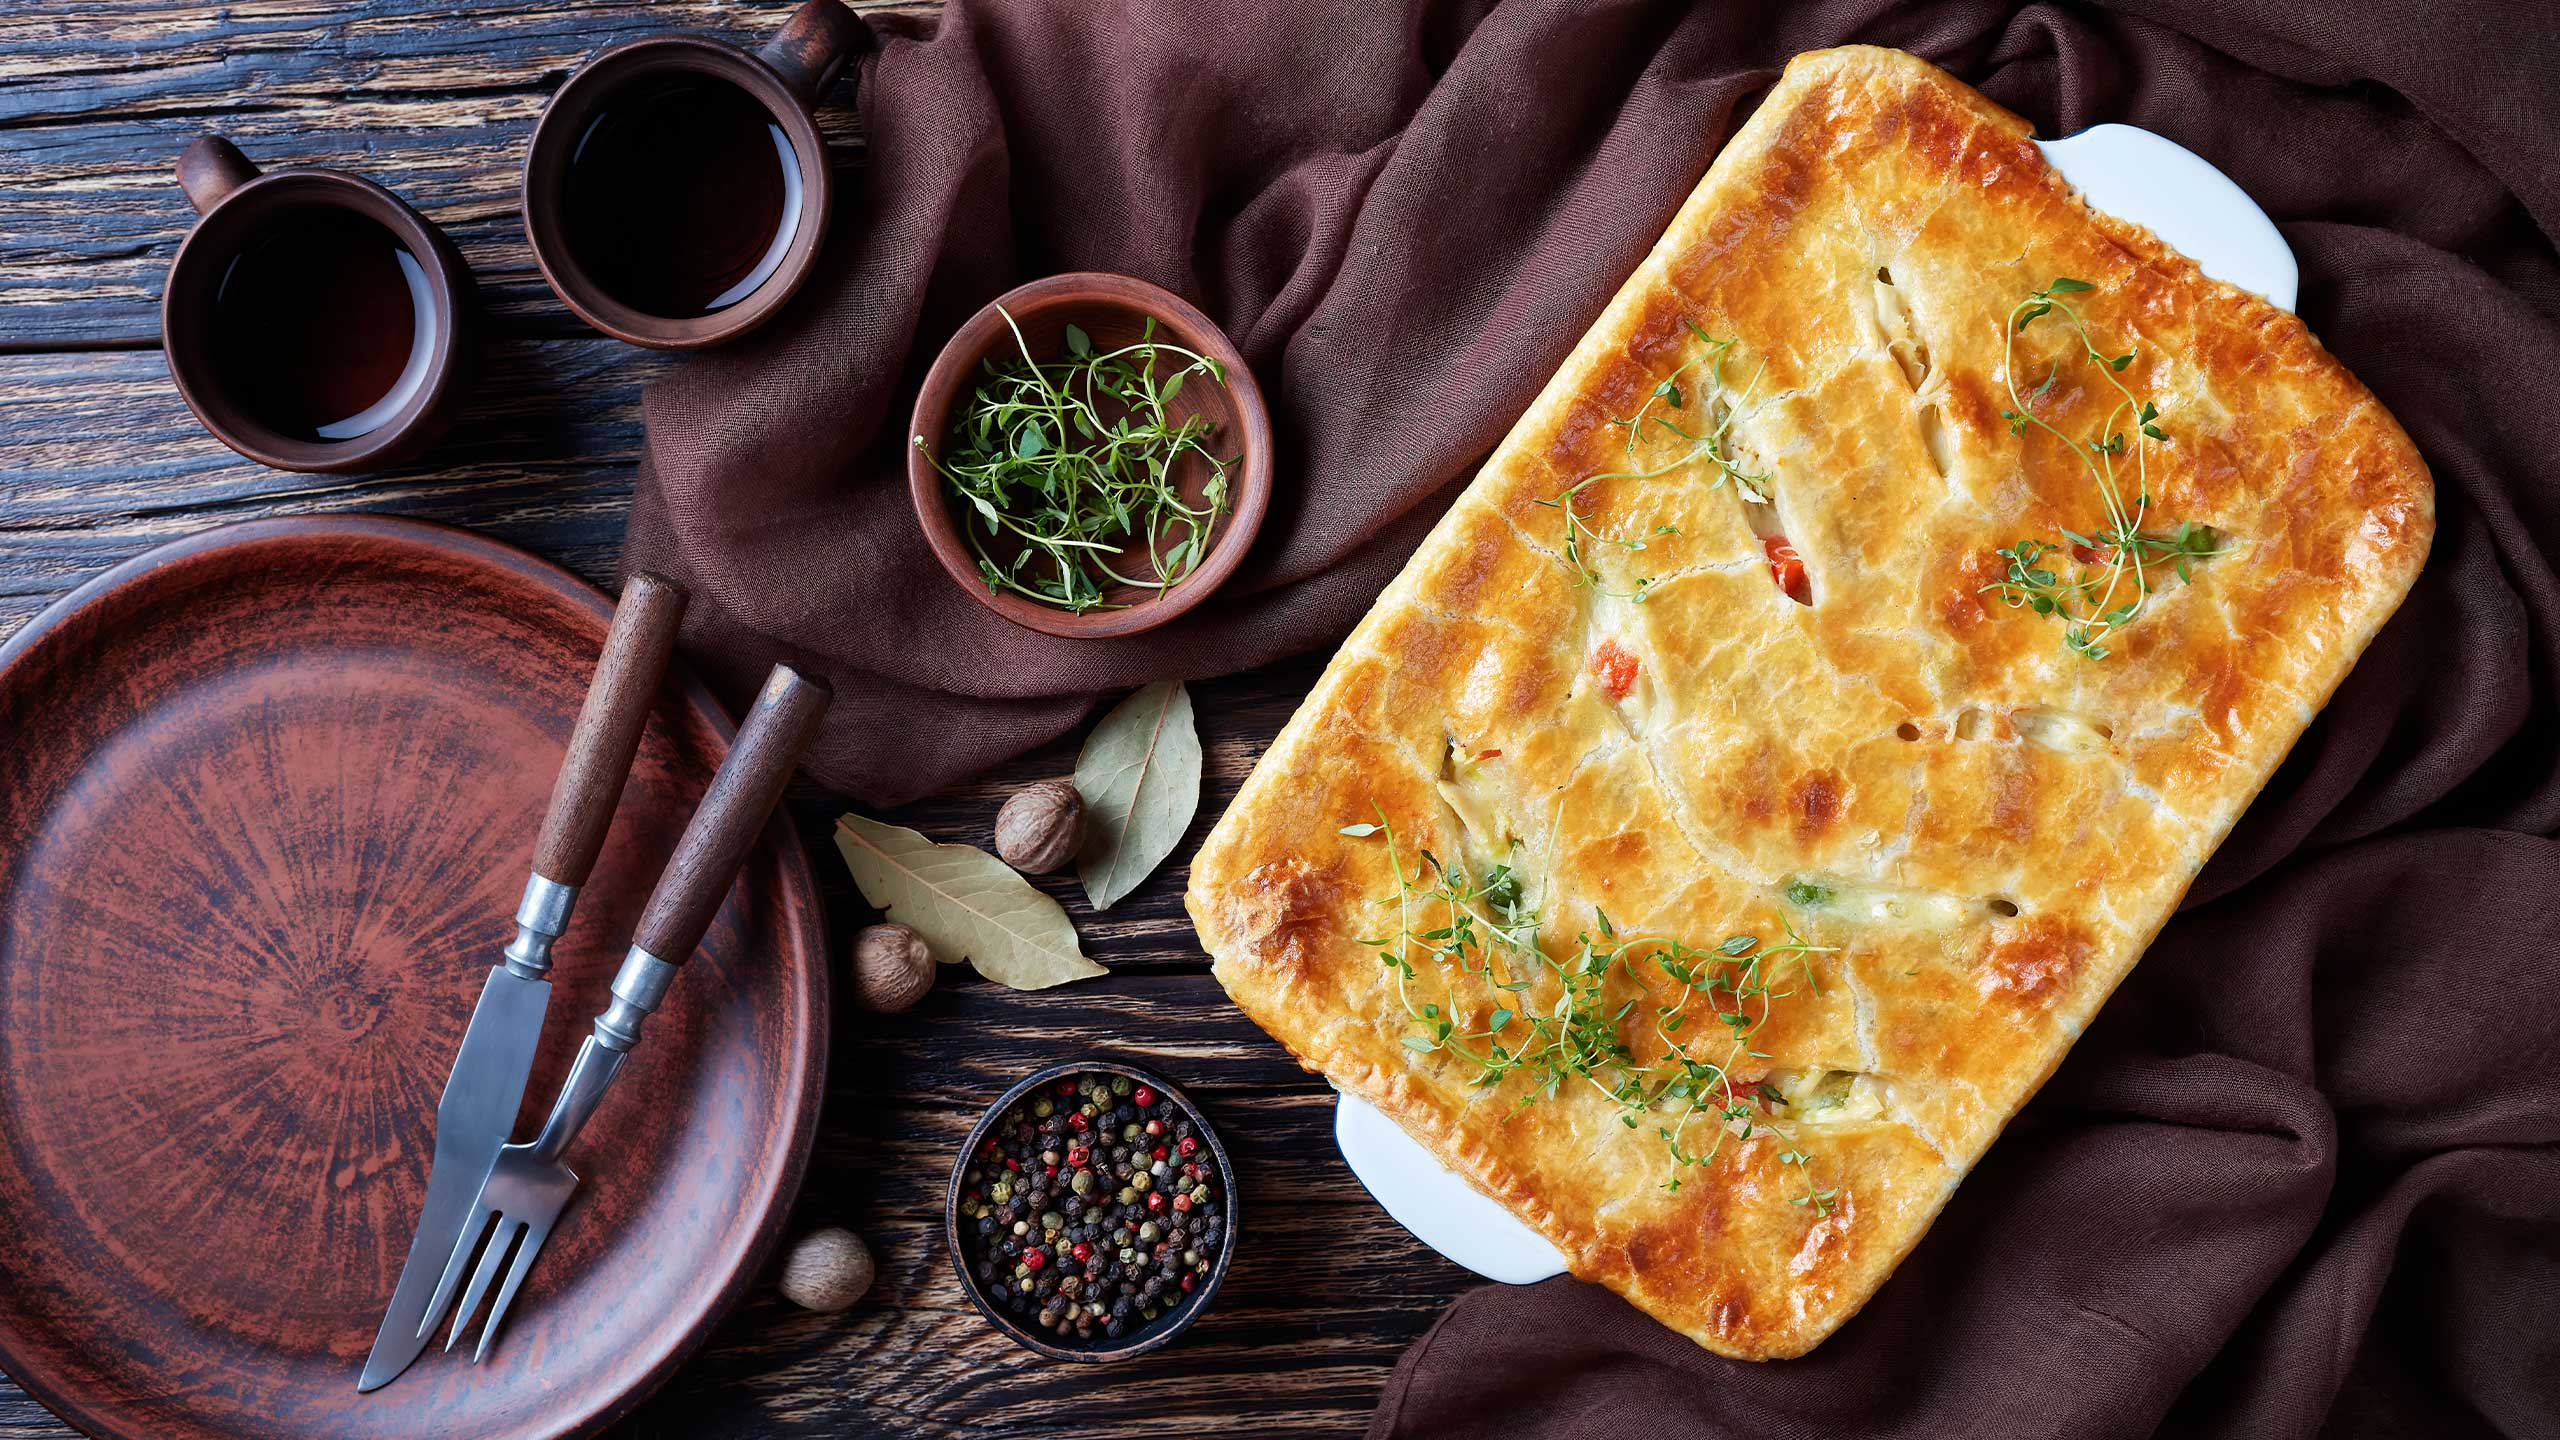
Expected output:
(1711, 445)
(1485, 949)
(2110, 586)
(1067, 464)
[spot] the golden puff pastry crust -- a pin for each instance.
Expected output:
(1983, 829)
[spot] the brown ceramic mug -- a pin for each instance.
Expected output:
(311, 319)
(677, 188)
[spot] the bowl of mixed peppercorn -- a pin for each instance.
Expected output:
(1091, 1214)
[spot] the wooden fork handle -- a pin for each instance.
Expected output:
(741, 798)
(607, 735)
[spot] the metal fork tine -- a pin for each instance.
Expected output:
(484, 1277)
(454, 1269)
(525, 1252)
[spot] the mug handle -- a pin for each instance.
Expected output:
(813, 48)
(210, 169)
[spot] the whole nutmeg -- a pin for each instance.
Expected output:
(891, 968)
(827, 1270)
(1041, 827)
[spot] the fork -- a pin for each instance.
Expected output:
(528, 1185)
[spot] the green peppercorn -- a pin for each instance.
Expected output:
(1043, 1108)
(1002, 1192)
(1082, 1183)
(1142, 1182)
(1148, 1232)
(1120, 1085)
(1127, 1196)
(1051, 1220)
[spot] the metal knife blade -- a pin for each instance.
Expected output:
(478, 1111)
(473, 1120)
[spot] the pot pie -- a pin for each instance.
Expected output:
(1814, 707)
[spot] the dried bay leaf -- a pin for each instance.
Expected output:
(965, 903)
(1140, 779)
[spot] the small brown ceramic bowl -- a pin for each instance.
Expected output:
(787, 78)
(1153, 1334)
(221, 378)
(1113, 310)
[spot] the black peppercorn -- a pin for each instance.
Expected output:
(1092, 1208)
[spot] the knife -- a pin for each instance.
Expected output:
(529, 1185)
(478, 1111)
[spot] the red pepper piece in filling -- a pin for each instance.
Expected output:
(1615, 667)
(1787, 568)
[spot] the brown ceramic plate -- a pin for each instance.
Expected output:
(272, 792)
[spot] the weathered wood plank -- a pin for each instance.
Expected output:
(99, 460)
(1325, 1291)
(436, 101)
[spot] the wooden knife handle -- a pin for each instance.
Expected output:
(619, 699)
(741, 798)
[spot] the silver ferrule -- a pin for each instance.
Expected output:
(542, 917)
(637, 988)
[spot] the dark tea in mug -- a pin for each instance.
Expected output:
(323, 325)
(683, 195)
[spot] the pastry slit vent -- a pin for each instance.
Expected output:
(2065, 731)
(1615, 669)
(1901, 338)
(1834, 899)
(1823, 1097)
(1486, 836)
(1787, 569)
(1910, 352)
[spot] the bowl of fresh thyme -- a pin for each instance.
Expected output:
(1090, 456)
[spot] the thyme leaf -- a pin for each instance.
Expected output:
(1473, 936)
(1068, 467)
(1713, 446)
(2109, 583)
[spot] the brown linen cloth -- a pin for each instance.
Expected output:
(2303, 1176)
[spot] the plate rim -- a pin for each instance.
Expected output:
(793, 877)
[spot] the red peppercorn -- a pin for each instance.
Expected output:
(1155, 1200)
(1182, 1203)
(1190, 1280)
(1035, 1259)
(1077, 1155)
(1190, 1145)
(1079, 1123)
(1155, 1127)
(1161, 1152)
(1053, 1171)
(1013, 1165)
(1066, 1087)
(1082, 1252)
(1144, 1095)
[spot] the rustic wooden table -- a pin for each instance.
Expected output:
(99, 460)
